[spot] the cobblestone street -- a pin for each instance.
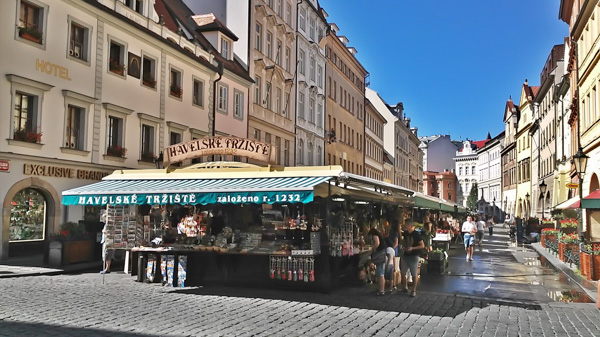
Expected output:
(82, 304)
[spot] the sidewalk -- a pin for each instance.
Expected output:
(34, 266)
(589, 287)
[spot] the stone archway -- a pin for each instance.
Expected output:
(53, 208)
(594, 185)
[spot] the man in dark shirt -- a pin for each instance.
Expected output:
(413, 245)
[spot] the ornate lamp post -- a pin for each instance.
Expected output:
(580, 160)
(528, 211)
(543, 188)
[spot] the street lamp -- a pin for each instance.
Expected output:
(543, 187)
(527, 205)
(580, 160)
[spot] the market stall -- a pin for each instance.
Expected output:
(234, 223)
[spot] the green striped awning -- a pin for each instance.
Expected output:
(195, 191)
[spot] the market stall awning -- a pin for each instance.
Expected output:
(195, 191)
(592, 200)
(571, 203)
(425, 201)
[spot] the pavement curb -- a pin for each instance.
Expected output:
(71, 269)
(568, 271)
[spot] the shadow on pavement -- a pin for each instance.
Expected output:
(39, 329)
(425, 303)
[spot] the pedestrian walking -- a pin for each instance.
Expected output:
(412, 244)
(393, 239)
(107, 254)
(480, 230)
(490, 225)
(390, 254)
(379, 258)
(469, 229)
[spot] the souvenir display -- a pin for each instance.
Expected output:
(341, 240)
(291, 268)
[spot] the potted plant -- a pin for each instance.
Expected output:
(148, 156)
(549, 234)
(568, 226)
(25, 135)
(116, 67)
(76, 244)
(31, 33)
(547, 223)
(436, 255)
(176, 90)
(568, 242)
(148, 80)
(590, 261)
(116, 151)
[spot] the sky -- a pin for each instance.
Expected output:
(453, 64)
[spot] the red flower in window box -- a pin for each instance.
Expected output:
(31, 33)
(116, 67)
(148, 156)
(176, 90)
(116, 151)
(28, 136)
(148, 80)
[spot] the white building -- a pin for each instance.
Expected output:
(489, 183)
(310, 83)
(90, 87)
(438, 153)
(466, 169)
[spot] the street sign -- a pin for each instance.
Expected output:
(572, 185)
(4, 165)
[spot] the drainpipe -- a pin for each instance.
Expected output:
(214, 112)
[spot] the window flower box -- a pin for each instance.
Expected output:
(176, 91)
(76, 245)
(590, 261)
(116, 67)
(148, 157)
(116, 151)
(148, 80)
(31, 33)
(28, 136)
(568, 226)
(549, 234)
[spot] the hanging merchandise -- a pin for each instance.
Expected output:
(342, 239)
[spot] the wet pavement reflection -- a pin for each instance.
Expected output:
(506, 270)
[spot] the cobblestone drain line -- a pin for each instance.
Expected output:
(81, 305)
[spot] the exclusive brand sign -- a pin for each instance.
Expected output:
(210, 146)
(62, 172)
(191, 198)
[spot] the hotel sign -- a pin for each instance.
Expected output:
(223, 146)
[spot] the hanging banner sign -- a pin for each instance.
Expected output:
(222, 146)
(190, 198)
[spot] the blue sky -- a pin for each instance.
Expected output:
(452, 63)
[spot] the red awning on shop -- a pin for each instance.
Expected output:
(568, 204)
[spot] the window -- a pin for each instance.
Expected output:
(278, 100)
(269, 45)
(78, 41)
(222, 98)
(311, 111)
(31, 22)
(300, 151)
(257, 90)
(225, 48)
(287, 58)
(25, 118)
(288, 13)
(279, 8)
(311, 159)
(286, 152)
(286, 102)
(175, 89)
(319, 155)
(257, 134)
(302, 19)
(115, 135)
(278, 150)
(238, 104)
(175, 138)
(301, 62)
(136, 5)
(301, 105)
(312, 68)
(312, 28)
(148, 72)
(75, 128)
(116, 61)
(278, 53)
(268, 97)
(147, 153)
(267, 138)
(460, 171)
(320, 114)
(320, 76)
(258, 37)
(198, 94)
(27, 216)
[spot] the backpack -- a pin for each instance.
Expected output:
(378, 256)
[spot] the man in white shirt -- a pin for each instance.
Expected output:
(469, 229)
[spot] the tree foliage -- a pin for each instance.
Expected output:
(472, 198)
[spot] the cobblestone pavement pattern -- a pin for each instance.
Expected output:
(75, 305)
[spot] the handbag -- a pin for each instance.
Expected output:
(378, 256)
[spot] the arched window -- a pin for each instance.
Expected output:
(300, 152)
(27, 216)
